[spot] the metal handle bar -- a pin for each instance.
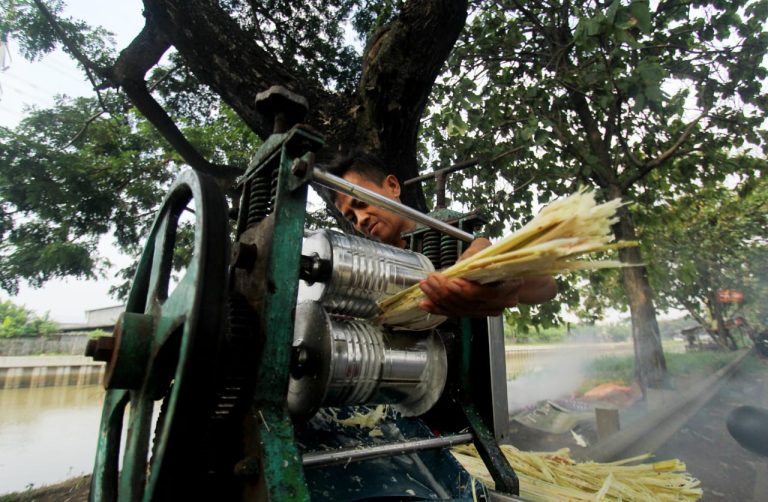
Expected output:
(363, 194)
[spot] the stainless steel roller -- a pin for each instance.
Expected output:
(341, 361)
(363, 272)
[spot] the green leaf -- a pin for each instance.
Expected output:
(625, 37)
(641, 12)
(593, 27)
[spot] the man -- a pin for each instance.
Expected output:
(451, 297)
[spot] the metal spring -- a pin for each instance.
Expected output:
(260, 200)
(449, 251)
(430, 247)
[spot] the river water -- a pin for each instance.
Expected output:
(47, 434)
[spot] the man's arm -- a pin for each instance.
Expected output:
(460, 297)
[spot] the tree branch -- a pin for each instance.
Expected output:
(669, 152)
(400, 65)
(151, 109)
(464, 164)
(82, 130)
(223, 55)
(128, 72)
(625, 146)
(89, 66)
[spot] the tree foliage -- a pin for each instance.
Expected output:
(183, 91)
(237, 49)
(713, 239)
(16, 320)
(639, 99)
(607, 94)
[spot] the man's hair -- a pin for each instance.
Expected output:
(366, 164)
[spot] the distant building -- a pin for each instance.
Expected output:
(102, 318)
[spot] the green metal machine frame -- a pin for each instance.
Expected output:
(216, 349)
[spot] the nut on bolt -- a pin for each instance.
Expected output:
(299, 168)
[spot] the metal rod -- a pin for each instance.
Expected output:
(363, 194)
(323, 458)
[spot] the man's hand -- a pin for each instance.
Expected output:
(463, 298)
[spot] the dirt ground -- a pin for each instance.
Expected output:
(727, 471)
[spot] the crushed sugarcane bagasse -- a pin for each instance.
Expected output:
(547, 476)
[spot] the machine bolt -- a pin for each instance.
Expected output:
(299, 168)
(101, 348)
(285, 108)
(314, 269)
(247, 468)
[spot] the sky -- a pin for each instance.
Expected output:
(36, 83)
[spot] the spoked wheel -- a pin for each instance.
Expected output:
(165, 347)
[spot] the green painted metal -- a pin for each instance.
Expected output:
(281, 467)
(280, 457)
(185, 328)
(502, 473)
(272, 146)
(105, 475)
(127, 372)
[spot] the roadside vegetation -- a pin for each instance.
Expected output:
(609, 332)
(15, 320)
(620, 369)
(71, 490)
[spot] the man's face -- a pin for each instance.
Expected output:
(375, 222)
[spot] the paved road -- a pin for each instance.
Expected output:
(727, 471)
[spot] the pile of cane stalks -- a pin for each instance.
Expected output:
(549, 244)
(547, 476)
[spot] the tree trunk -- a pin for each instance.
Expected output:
(650, 365)
(400, 65)
(723, 334)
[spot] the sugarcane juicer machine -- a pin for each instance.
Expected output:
(255, 373)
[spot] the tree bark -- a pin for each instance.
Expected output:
(399, 67)
(650, 364)
(225, 57)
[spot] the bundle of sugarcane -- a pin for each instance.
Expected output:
(547, 245)
(547, 476)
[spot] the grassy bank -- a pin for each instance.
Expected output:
(620, 369)
(71, 490)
